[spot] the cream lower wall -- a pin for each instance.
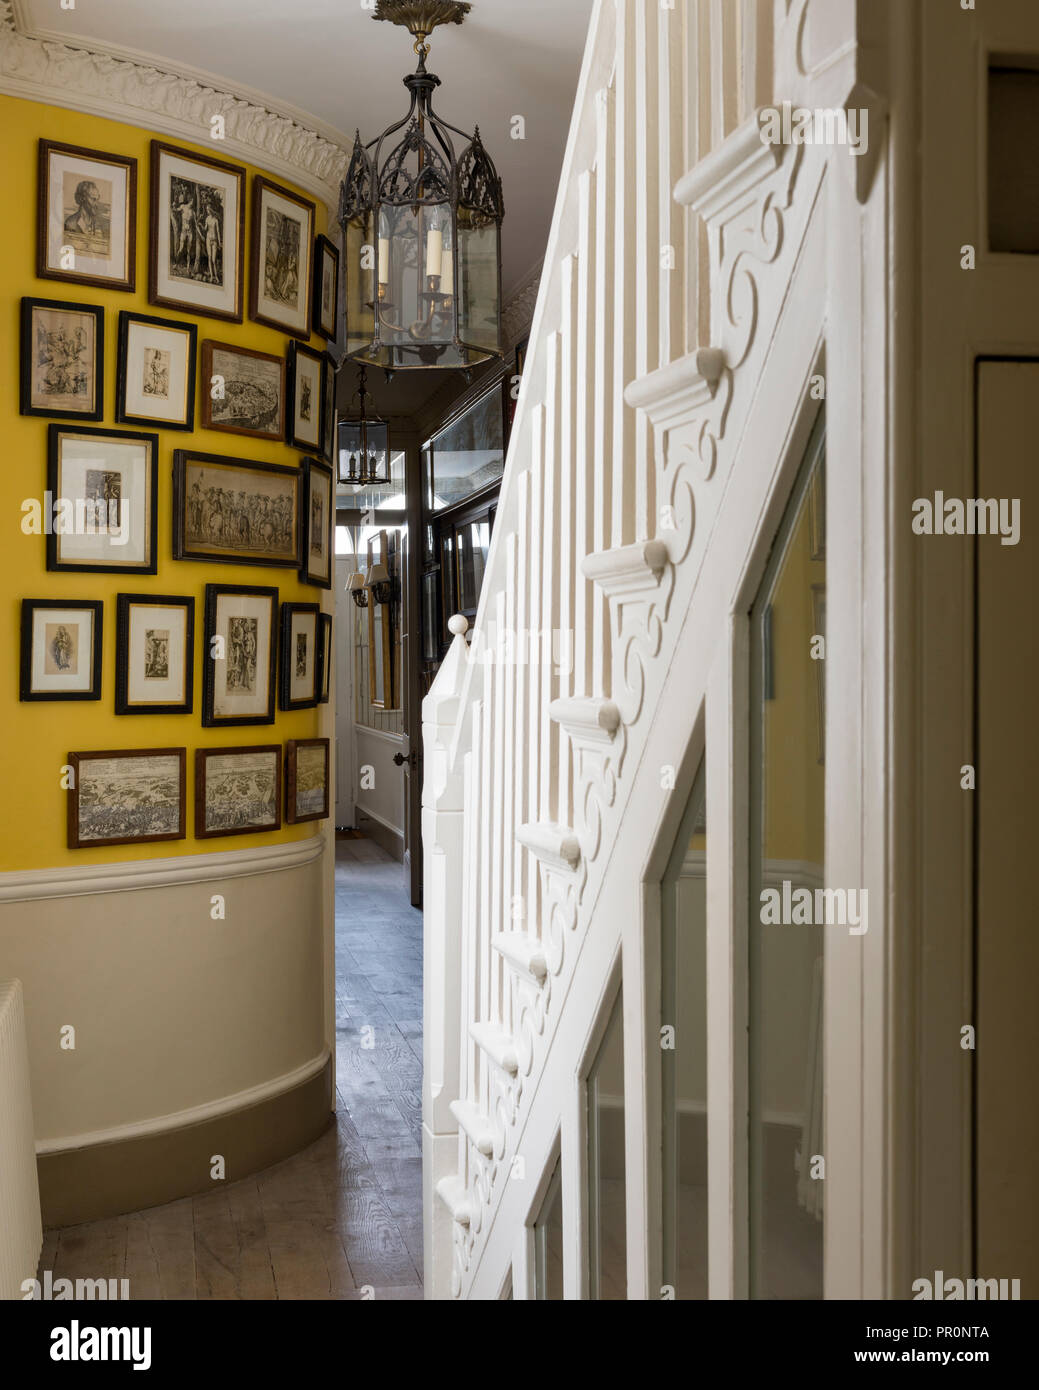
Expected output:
(172, 1009)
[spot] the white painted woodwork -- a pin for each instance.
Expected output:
(662, 420)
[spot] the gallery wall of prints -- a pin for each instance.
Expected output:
(39, 734)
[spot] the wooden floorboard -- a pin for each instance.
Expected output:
(343, 1218)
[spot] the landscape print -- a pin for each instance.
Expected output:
(64, 350)
(239, 512)
(249, 397)
(241, 791)
(311, 792)
(129, 798)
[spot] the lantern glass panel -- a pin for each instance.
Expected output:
(478, 317)
(350, 451)
(359, 264)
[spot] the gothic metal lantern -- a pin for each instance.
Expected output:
(363, 444)
(422, 228)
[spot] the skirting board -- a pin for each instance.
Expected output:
(147, 1170)
(386, 836)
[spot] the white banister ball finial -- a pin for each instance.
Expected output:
(458, 625)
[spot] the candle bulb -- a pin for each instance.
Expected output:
(434, 251)
(447, 277)
(384, 260)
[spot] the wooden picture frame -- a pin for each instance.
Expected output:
(196, 248)
(307, 763)
(328, 410)
(280, 258)
(305, 398)
(61, 658)
(144, 382)
(300, 678)
(318, 514)
(155, 798)
(237, 511)
(326, 654)
(252, 387)
(240, 673)
(62, 359)
(86, 229)
(223, 775)
(326, 287)
(111, 476)
(163, 654)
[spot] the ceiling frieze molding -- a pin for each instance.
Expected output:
(518, 312)
(169, 102)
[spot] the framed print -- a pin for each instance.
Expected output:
(61, 649)
(306, 779)
(87, 217)
(300, 678)
(281, 253)
(234, 510)
(243, 391)
(156, 380)
(318, 517)
(237, 790)
(154, 654)
(63, 359)
(306, 398)
(196, 251)
(326, 287)
(326, 655)
(105, 486)
(239, 654)
(126, 796)
(328, 411)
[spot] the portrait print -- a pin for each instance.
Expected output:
(121, 797)
(156, 383)
(107, 486)
(306, 378)
(61, 657)
(280, 289)
(62, 359)
(87, 216)
(237, 790)
(300, 628)
(196, 250)
(154, 654)
(246, 391)
(61, 649)
(196, 232)
(238, 686)
(319, 507)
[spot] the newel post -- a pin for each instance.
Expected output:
(442, 891)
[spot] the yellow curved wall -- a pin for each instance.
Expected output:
(37, 737)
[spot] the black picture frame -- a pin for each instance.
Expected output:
(210, 720)
(124, 604)
(31, 606)
(328, 409)
(123, 417)
(262, 188)
(182, 548)
(55, 434)
(30, 305)
(309, 467)
(285, 700)
(322, 248)
(299, 441)
(326, 652)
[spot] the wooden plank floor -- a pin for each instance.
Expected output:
(345, 1215)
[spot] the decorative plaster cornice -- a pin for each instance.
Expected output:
(518, 310)
(171, 102)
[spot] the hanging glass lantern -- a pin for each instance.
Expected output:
(363, 444)
(422, 228)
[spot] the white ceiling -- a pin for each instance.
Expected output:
(329, 59)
